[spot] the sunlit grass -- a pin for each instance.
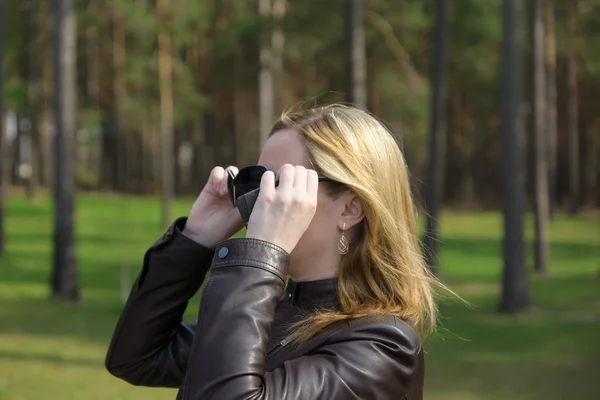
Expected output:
(54, 350)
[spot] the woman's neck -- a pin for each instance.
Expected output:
(319, 267)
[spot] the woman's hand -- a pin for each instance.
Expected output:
(213, 217)
(282, 214)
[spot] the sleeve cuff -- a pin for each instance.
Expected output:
(254, 253)
(175, 245)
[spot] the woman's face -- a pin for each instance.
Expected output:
(317, 249)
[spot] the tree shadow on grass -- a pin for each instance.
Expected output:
(46, 239)
(492, 249)
(550, 352)
(492, 375)
(95, 275)
(88, 321)
(577, 295)
(480, 259)
(50, 359)
(101, 260)
(515, 357)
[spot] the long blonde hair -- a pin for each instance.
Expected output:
(384, 272)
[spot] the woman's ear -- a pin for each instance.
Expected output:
(353, 212)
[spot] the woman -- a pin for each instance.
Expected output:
(340, 223)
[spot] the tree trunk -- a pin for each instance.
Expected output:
(46, 94)
(515, 281)
(266, 84)
(64, 281)
(572, 108)
(551, 112)
(34, 103)
(373, 91)
(46, 155)
(278, 42)
(120, 93)
(107, 99)
(93, 88)
(16, 149)
(246, 134)
(357, 60)
(194, 65)
(1, 133)
(166, 110)
(155, 134)
(593, 166)
(468, 127)
(540, 141)
(209, 62)
(437, 136)
(93, 72)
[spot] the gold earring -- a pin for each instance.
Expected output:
(343, 242)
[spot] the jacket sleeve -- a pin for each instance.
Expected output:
(150, 345)
(375, 361)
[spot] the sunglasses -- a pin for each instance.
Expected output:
(248, 180)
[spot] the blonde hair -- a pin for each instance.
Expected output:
(384, 272)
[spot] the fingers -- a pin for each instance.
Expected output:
(218, 179)
(286, 176)
(233, 169)
(283, 214)
(300, 174)
(298, 178)
(223, 187)
(267, 186)
(312, 183)
(214, 180)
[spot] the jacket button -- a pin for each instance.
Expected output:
(223, 252)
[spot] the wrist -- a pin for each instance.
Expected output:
(197, 237)
(257, 235)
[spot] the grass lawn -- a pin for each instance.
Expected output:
(53, 350)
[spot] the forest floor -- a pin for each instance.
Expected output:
(53, 350)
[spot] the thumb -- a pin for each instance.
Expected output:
(214, 180)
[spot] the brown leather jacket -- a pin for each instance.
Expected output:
(238, 348)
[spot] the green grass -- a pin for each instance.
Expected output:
(53, 350)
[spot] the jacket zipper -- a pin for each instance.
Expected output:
(279, 346)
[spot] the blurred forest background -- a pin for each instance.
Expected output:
(224, 55)
(114, 112)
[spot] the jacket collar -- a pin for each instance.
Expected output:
(313, 294)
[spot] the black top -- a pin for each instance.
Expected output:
(313, 294)
(300, 299)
